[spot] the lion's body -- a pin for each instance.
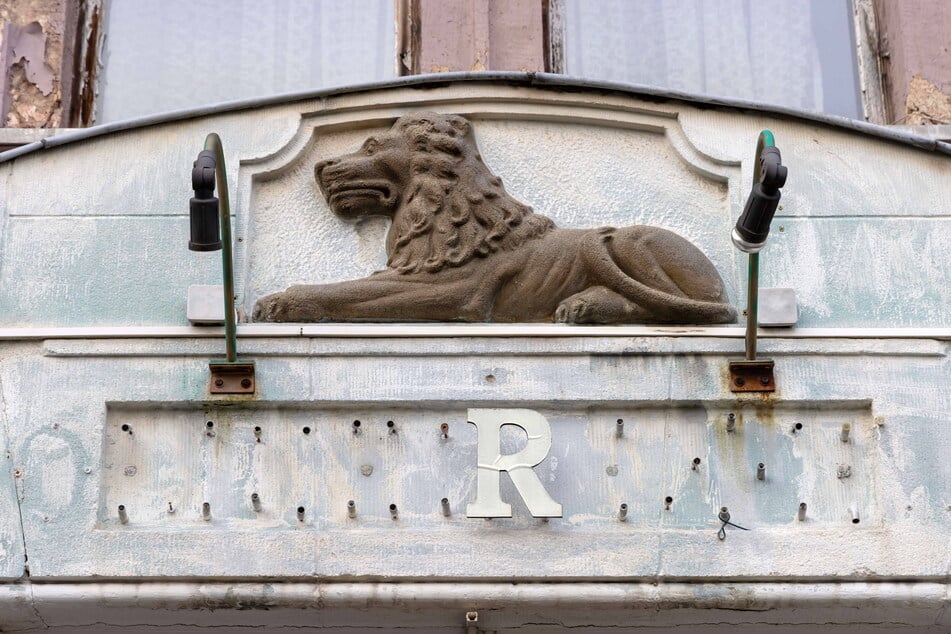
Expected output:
(461, 249)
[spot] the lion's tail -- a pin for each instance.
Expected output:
(668, 307)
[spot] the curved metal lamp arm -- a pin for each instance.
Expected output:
(213, 144)
(752, 293)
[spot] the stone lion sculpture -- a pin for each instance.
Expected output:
(462, 249)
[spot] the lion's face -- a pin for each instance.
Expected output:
(368, 182)
(426, 173)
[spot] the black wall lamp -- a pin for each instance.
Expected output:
(211, 231)
(749, 235)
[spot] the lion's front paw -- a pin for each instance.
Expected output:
(598, 305)
(573, 311)
(270, 308)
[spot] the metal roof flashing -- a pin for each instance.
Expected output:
(547, 81)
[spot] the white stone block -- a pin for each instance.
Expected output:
(206, 304)
(778, 307)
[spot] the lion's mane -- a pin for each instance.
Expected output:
(454, 209)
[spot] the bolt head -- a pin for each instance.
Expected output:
(245, 383)
(739, 381)
(764, 380)
(219, 382)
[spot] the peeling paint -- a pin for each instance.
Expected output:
(29, 45)
(926, 104)
(31, 56)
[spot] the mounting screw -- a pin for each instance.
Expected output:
(445, 507)
(667, 502)
(761, 471)
(123, 516)
(730, 421)
(300, 513)
(351, 509)
(394, 513)
(844, 434)
(87, 470)
(802, 512)
(245, 383)
(219, 382)
(256, 502)
(622, 513)
(739, 381)
(764, 380)
(696, 464)
(444, 428)
(206, 511)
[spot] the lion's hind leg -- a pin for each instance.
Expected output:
(599, 305)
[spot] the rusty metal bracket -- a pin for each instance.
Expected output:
(232, 378)
(752, 376)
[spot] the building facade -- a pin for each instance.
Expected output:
(357, 484)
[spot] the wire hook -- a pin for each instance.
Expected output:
(724, 516)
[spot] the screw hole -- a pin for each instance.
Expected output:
(125, 428)
(210, 424)
(356, 424)
(490, 378)
(306, 430)
(798, 426)
(390, 424)
(668, 499)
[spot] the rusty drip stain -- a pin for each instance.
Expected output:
(87, 91)
(765, 410)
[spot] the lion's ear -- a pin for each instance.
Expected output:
(460, 124)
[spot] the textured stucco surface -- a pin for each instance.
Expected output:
(95, 234)
(675, 405)
(581, 159)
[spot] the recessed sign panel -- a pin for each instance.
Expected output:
(300, 467)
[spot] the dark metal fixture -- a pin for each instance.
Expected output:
(211, 231)
(749, 235)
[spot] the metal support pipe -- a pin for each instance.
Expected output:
(752, 306)
(213, 143)
(752, 290)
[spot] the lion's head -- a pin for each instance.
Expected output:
(427, 174)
